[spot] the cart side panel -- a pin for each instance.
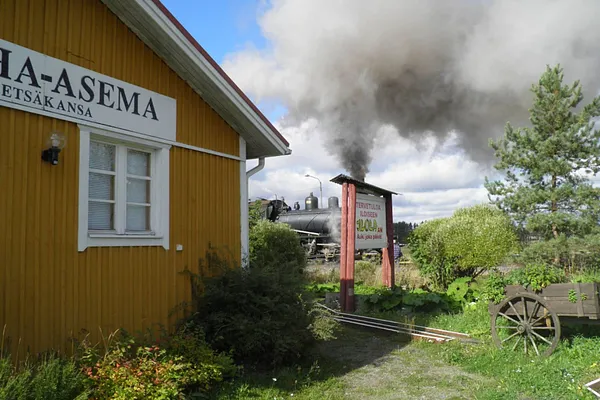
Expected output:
(556, 297)
(514, 290)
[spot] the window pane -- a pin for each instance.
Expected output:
(138, 191)
(100, 216)
(102, 156)
(138, 163)
(101, 187)
(138, 218)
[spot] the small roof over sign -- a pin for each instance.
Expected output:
(361, 187)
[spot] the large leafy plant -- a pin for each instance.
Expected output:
(464, 290)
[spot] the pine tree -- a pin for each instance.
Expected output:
(545, 189)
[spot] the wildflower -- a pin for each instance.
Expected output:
(274, 379)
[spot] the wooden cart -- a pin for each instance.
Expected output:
(530, 322)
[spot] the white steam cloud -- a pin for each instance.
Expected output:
(426, 67)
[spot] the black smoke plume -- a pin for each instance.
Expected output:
(426, 67)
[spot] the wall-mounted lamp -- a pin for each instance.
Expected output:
(56, 142)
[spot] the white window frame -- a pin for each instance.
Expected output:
(159, 192)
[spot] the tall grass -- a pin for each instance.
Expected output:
(369, 273)
(47, 376)
(562, 375)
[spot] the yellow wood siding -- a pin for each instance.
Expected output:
(49, 291)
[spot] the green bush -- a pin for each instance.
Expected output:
(49, 377)
(319, 289)
(536, 276)
(493, 288)
(533, 276)
(127, 369)
(277, 247)
(543, 252)
(258, 313)
(323, 326)
(381, 300)
(254, 214)
(575, 254)
(479, 238)
(589, 276)
(473, 240)
(189, 342)
(427, 249)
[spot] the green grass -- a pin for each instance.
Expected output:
(367, 364)
(287, 386)
(317, 378)
(586, 276)
(560, 376)
(575, 362)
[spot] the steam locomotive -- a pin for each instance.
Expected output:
(318, 228)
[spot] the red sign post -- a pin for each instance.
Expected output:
(375, 228)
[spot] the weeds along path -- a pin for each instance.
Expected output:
(384, 366)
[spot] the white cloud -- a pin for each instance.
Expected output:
(432, 184)
(421, 206)
(341, 64)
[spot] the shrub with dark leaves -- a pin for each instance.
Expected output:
(258, 313)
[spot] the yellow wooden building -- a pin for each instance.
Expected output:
(124, 151)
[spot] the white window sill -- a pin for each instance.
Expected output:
(125, 236)
(114, 240)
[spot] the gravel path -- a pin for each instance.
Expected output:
(381, 366)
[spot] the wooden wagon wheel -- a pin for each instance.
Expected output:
(524, 321)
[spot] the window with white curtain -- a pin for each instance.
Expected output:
(124, 183)
(110, 209)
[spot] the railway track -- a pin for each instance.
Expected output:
(417, 332)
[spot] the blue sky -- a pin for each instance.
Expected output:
(223, 27)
